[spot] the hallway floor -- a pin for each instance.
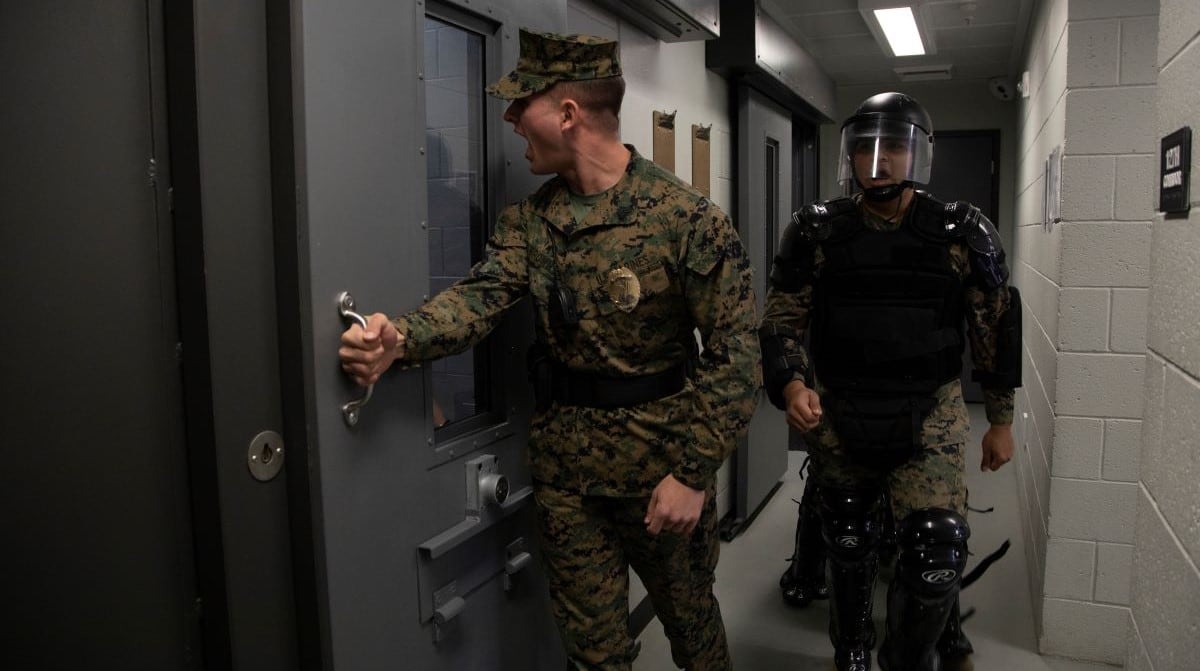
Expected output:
(767, 635)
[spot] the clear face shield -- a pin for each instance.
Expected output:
(884, 151)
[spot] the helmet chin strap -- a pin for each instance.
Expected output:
(883, 194)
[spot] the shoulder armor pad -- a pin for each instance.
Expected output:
(793, 263)
(965, 221)
(815, 221)
(928, 198)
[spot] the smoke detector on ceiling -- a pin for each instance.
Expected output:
(922, 73)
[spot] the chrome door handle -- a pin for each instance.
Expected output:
(346, 310)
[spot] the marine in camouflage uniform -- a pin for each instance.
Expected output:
(888, 421)
(621, 283)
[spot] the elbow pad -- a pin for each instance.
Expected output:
(1008, 349)
(778, 368)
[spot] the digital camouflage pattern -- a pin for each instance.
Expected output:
(592, 541)
(547, 58)
(934, 476)
(594, 469)
(693, 274)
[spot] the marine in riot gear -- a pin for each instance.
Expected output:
(889, 285)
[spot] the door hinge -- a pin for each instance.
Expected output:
(152, 171)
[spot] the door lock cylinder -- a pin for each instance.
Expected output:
(486, 485)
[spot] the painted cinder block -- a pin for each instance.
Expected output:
(1106, 254)
(1047, 47)
(1173, 330)
(1087, 510)
(1128, 320)
(1165, 586)
(1087, 187)
(1070, 569)
(1083, 320)
(1114, 573)
(1035, 444)
(1111, 120)
(1136, 195)
(1078, 447)
(1139, 50)
(1176, 490)
(1041, 250)
(1138, 659)
(1040, 371)
(1100, 385)
(1041, 413)
(1108, 9)
(1039, 297)
(1081, 630)
(1178, 22)
(1091, 59)
(1122, 449)
(1150, 464)
(1178, 82)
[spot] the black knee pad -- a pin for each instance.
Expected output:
(933, 551)
(850, 523)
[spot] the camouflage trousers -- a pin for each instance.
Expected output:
(932, 478)
(588, 545)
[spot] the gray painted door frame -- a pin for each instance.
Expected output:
(765, 191)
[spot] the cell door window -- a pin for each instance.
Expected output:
(457, 182)
(771, 197)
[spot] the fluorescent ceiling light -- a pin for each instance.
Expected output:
(900, 27)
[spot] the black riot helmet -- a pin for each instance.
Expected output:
(894, 133)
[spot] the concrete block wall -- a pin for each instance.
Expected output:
(1165, 594)
(1093, 84)
(1036, 271)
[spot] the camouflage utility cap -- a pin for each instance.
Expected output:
(547, 58)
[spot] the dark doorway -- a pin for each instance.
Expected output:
(98, 554)
(966, 166)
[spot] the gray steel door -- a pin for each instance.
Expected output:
(97, 559)
(399, 169)
(764, 166)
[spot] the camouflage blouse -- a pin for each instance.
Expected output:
(653, 266)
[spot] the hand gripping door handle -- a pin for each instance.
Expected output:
(346, 310)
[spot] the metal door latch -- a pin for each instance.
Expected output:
(447, 605)
(350, 409)
(518, 559)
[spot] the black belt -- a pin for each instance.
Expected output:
(600, 391)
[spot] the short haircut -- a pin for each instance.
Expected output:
(595, 95)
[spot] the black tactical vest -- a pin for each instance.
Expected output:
(887, 314)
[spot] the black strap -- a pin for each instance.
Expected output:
(984, 564)
(599, 391)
